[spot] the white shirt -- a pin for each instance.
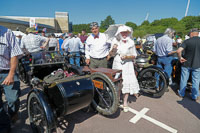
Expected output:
(98, 47)
(32, 42)
(138, 39)
(179, 40)
(65, 40)
(127, 48)
(53, 42)
(186, 37)
(9, 47)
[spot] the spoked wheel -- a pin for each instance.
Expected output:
(40, 115)
(106, 97)
(152, 81)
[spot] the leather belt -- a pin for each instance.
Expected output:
(98, 58)
(4, 71)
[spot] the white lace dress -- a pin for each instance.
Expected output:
(130, 82)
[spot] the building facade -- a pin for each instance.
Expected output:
(59, 24)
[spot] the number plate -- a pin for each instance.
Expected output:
(98, 84)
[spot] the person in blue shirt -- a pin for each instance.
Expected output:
(164, 49)
(60, 43)
(74, 46)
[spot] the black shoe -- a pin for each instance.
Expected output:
(196, 100)
(14, 118)
(136, 95)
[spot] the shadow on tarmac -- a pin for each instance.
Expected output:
(192, 106)
(25, 91)
(187, 102)
(68, 122)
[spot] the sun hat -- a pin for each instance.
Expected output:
(31, 30)
(124, 28)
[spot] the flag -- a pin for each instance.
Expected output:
(36, 27)
(32, 22)
(44, 30)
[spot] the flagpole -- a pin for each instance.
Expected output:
(188, 4)
(147, 17)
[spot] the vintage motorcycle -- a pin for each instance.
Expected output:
(152, 79)
(49, 101)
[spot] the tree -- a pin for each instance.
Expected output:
(132, 25)
(79, 27)
(108, 21)
(167, 22)
(146, 22)
(155, 23)
(191, 22)
(139, 33)
(182, 27)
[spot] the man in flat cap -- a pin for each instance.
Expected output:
(190, 64)
(96, 48)
(33, 43)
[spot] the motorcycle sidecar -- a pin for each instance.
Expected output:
(61, 98)
(46, 103)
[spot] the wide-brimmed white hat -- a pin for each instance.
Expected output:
(124, 28)
(114, 30)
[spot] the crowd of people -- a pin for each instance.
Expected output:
(98, 50)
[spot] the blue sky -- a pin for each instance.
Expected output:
(86, 11)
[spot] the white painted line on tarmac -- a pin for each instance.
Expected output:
(138, 115)
(141, 114)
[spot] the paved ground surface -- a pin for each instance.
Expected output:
(166, 114)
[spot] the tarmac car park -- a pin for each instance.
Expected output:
(168, 113)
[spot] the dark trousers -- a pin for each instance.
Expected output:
(97, 63)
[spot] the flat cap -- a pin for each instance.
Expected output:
(194, 30)
(94, 24)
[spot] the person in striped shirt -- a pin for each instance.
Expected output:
(9, 82)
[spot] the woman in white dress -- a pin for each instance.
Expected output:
(125, 54)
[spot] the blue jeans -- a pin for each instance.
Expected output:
(12, 93)
(37, 55)
(61, 52)
(75, 58)
(165, 63)
(185, 73)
